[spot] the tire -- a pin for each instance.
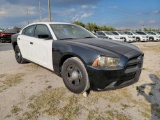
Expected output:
(125, 40)
(151, 39)
(18, 55)
(138, 39)
(75, 76)
(3, 41)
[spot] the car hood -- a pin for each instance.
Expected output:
(105, 44)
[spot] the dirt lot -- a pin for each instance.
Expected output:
(30, 92)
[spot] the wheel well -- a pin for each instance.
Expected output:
(64, 58)
(14, 45)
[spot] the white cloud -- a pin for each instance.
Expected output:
(85, 6)
(156, 12)
(64, 12)
(139, 13)
(113, 7)
(3, 12)
(84, 15)
(152, 21)
(76, 17)
(16, 10)
(141, 22)
(93, 7)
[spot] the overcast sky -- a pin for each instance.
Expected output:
(120, 14)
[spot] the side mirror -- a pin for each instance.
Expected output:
(44, 36)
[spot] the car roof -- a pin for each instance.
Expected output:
(48, 23)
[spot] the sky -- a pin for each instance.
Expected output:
(120, 14)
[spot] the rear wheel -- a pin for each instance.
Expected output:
(18, 55)
(75, 76)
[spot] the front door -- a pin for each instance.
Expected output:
(42, 47)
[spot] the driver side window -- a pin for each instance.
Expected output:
(42, 30)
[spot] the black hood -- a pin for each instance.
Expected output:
(111, 45)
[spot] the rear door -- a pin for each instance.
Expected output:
(41, 47)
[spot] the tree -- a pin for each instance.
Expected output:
(91, 26)
(79, 23)
(16, 28)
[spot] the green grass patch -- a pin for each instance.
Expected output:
(12, 80)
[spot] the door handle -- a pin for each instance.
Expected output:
(31, 43)
(18, 38)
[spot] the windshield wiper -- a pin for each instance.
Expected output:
(65, 38)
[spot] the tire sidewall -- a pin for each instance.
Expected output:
(19, 60)
(84, 83)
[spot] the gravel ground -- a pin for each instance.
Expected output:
(28, 91)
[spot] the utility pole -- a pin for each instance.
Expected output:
(27, 17)
(142, 27)
(49, 11)
(40, 11)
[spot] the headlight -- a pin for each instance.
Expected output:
(108, 62)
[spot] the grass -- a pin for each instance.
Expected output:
(12, 80)
(9, 80)
(2, 75)
(54, 102)
(64, 105)
(155, 48)
(15, 110)
(67, 106)
(156, 110)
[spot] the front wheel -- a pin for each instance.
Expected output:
(75, 75)
(18, 55)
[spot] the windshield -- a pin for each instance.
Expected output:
(158, 33)
(109, 33)
(151, 33)
(141, 33)
(128, 33)
(69, 31)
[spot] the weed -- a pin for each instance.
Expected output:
(12, 80)
(15, 110)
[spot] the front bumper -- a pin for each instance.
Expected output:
(144, 39)
(5, 39)
(131, 39)
(106, 79)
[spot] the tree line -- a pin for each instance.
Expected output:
(94, 26)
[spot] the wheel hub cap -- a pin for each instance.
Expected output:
(74, 75)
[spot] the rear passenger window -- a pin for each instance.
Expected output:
(29, 31)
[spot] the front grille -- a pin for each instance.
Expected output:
(134, 62)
